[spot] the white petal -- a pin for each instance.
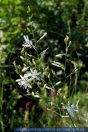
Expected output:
(25, 38)
(28, 74)
(37, 78)
(21, 82)
(31, 70)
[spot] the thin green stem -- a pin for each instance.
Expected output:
(1, 103)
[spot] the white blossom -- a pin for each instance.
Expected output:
(28, 77)
(71, 109)
(28, 43)
(34, 74)
(25, 82)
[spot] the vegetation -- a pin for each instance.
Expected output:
(43, 63)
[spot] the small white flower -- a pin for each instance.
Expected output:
(28, 77)
(71, 110)
(27, 43)
(34, 74)
(25, 82)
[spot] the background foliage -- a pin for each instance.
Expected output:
(33, 18)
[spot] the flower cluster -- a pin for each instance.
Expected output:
(28, 77)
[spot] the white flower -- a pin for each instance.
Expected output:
(33, 74)
(28, 77)
(25, 82)
(27, 43)
(71, 110)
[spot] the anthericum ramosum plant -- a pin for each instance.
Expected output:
(46, 81)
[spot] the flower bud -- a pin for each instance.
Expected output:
(45, 110)
(27, 106)
(52, 92)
